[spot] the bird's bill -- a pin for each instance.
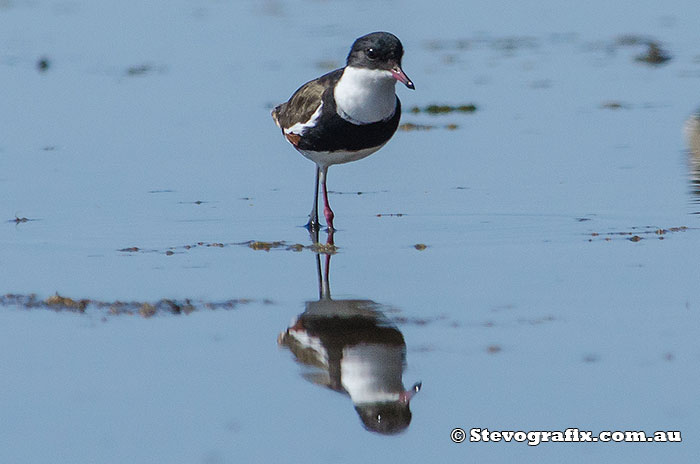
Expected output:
(401, 76)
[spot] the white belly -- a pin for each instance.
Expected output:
(327, 158)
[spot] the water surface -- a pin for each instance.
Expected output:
(142, 155)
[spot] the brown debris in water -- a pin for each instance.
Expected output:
(324, 248)
(444, 109)
(493, 349)
(267, 246)
(59, 301)
(257, 245)
(613, 105)
(420, 246)
(436, 110)
(144, 69)
(130, 250)
(43, 64)
(296, 247)
(654, 55)
(639, 233)
(145, 309)
(409, 126)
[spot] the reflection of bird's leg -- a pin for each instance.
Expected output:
(326, 290)
(326, 206)
(319, 275)
(313, 234)
(313, 223)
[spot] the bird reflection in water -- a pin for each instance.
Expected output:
(692, 133)
(356, 351)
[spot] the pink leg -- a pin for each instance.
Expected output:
(326, 206)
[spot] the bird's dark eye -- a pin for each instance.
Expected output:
(371, 54)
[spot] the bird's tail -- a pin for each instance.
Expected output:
(275, 112)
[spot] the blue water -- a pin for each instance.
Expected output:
(527, 310)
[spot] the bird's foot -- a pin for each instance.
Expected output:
(313, 225)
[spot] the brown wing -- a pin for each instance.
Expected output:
(305, 101)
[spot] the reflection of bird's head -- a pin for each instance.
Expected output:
(385, 418)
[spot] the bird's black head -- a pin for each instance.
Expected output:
(382, 51)
(385, 418)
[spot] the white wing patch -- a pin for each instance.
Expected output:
(300, 127)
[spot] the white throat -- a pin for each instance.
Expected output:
(371, 373)
(364, 96)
